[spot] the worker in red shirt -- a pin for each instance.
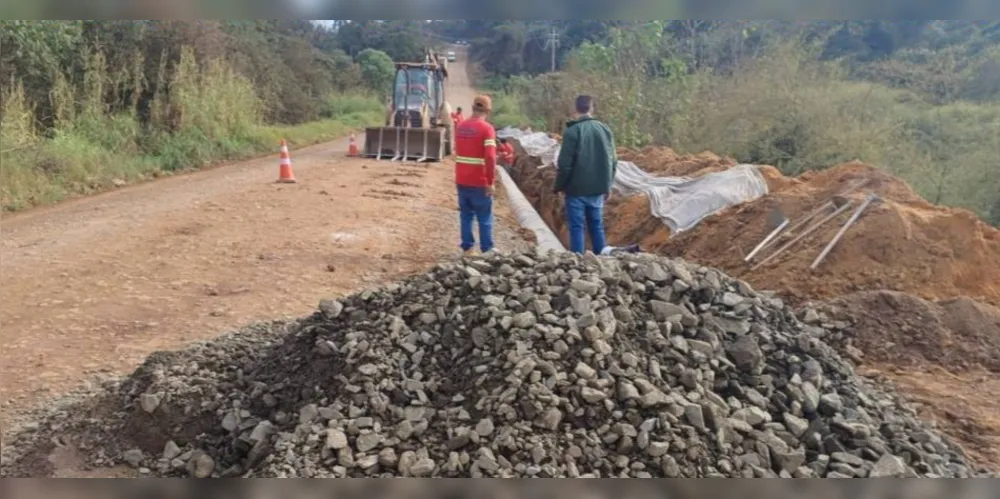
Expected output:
(475, 174)
(457, 117)
(505, 151)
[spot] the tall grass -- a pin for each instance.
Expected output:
(200, 112)
(787, 109)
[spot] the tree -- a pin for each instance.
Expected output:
(377, 69)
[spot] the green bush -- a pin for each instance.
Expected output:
(377, 69)
(789, 109)
(204, 112)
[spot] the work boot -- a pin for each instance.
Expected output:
(469, 252)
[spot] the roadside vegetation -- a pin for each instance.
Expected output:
(90, 105)
(920, 99)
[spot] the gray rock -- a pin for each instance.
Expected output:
(585, 287)
(746, 354)
(796, 425)
(694, 415)
(655, 272)
(657, 449)
(591, 395)
(551, 419)
(201, 465)
(670, 467)
(810, 316)
(525, 320)
(308, 413)
(830, 404)
(331, 308)
(754, 416)
(149, 402)
(789, 460)
(810, 404)
(663, 310)
(422, 467)
(584, 371)
(170, 450)
(366, 441)
(889, 466)
(134, 457)
(731, 299)
(387, 458)
(230, 422)
(485, 427)
(849, 459)
(336, 439)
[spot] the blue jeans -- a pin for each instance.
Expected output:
(475, 204)
(585, 211)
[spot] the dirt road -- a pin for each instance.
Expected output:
(92, 286)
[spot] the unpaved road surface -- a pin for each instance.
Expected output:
(90, 287)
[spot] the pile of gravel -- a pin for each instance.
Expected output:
(524, 365)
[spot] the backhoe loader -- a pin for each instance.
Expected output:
(418, 123)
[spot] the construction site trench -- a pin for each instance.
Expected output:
(418, 362)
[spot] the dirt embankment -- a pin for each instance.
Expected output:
(903, 243)
(958, 334)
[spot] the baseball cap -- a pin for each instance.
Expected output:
(482, 103)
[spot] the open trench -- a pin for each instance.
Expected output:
(627, 219)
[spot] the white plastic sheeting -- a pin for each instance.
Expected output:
(536, 144)
(682, 202)
(679, 202)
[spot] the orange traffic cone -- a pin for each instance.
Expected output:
(285, 175)
(352, 147)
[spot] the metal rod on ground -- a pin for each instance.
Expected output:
(790, 232)
(850, 221)
(811, 215)
(766, 240)
(804, 234)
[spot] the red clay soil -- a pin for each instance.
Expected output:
(903, 243)
(663, 161)
(899, 329)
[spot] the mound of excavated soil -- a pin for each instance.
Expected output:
(906, 331)
(664, 161)
(904, 243)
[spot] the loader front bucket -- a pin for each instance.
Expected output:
(405, 144)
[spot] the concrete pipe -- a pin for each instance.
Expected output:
(528, 217)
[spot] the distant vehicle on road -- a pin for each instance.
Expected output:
(451, 56)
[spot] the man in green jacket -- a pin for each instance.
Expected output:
(587, 165)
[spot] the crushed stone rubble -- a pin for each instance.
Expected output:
(524, 365)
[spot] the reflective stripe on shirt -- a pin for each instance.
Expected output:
(489, 142)
(470, 161)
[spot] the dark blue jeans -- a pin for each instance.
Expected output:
(475, 204)
(585, 211)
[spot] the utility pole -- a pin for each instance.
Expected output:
(551, 43)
